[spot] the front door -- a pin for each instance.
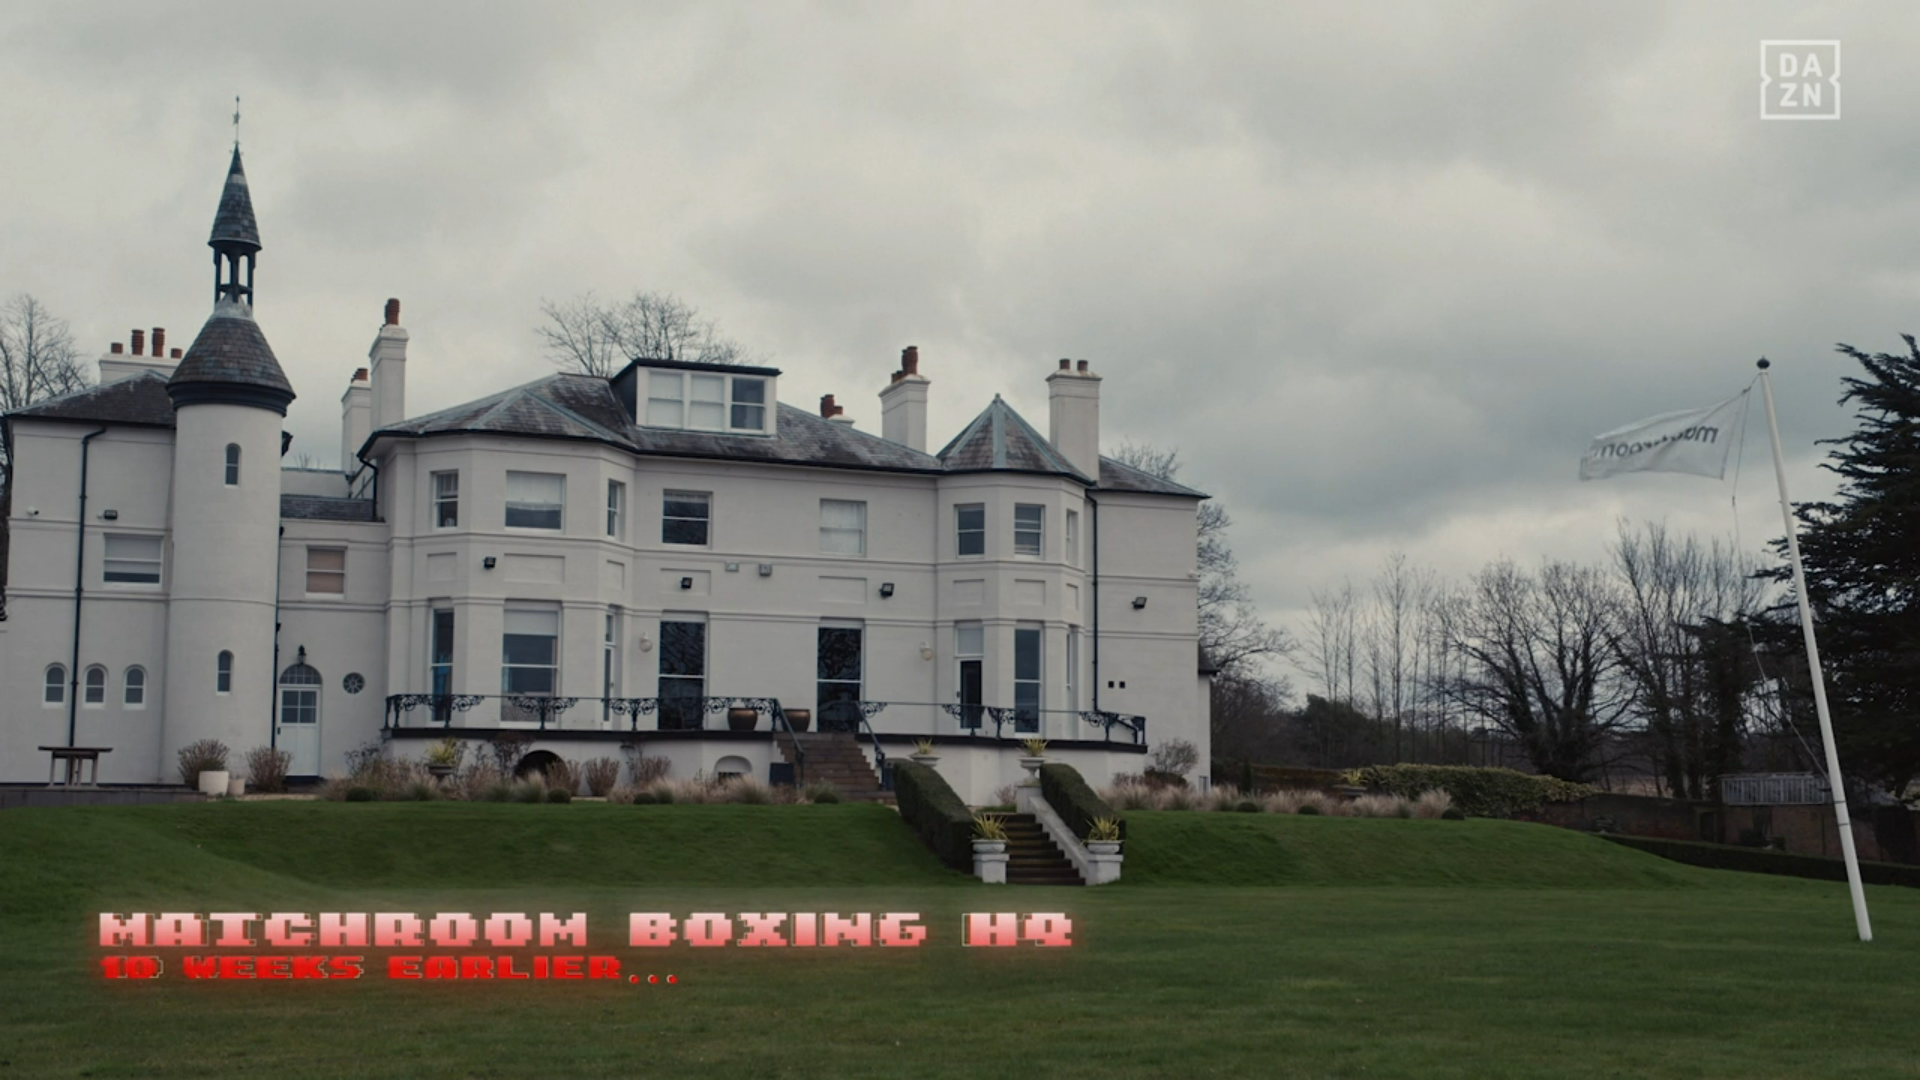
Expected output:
(970, 694)
(300, 729)
(837, 689)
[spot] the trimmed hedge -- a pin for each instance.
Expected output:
(935, 813)
(1477, 791)
(1762, 861)
(1077, 804)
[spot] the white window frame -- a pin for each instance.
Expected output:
(326, 572)
(223, 672)
(1071, 537)
(1073, 669)
(230, 471)
(1038, 532)
(147, 566)
(705, 498)
(506, 668)
(93, 687)
(671, 401)
(959, 530)
(512, 504)
(840, 539)
(616, 510)
(53, 691)
(446, 501)
(133, 690)
(1039, 681)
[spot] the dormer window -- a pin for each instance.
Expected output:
(706, 401)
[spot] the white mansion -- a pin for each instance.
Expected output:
(670, 559)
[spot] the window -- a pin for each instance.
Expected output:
(299, 697)
(223, 673)
(133, 560)
(233, 464)
(837, 690)
(95, 692)
(1073, 538)
(610, 665)
(1073, 666)
(616, 509)
(1026, 678)
(971, 519)
(529, 651)
(843, 527)
(968, 650)
(684, 516)
(535, 500)
(56, 687)
(665, 390)
(327, 571)
(1026, 528)
(135, 694)
(749, 405)
(440, 664)
(446, 500)
(683, 672)
(704, 401)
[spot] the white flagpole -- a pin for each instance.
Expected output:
(1813, 666)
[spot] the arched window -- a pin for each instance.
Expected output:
(56, 692)
(299, 706)
(300, 675)
(233, 464)
(223, 680)
(136, 693)
(95, 692)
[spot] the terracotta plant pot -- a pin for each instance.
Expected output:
(742, 719)
(799, 719)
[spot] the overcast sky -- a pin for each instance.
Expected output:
(1378, 271)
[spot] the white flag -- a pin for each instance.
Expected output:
(1695, 441)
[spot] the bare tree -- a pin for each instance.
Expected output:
(1392, 634)
(1333, 623)
(1538, 661)
(1232, 633)
(1682, 649)
(592, 337)
(38, 359)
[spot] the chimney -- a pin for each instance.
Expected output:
(1073, 413)
(173, 353)
(827, 408)
(118, 349)
(139, 342)
(356, 420)
(389, 371)
(159, 341)
(903, 404)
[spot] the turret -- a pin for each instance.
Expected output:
(229, 396)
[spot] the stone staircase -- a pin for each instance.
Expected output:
(836, 758)
(1032, 856)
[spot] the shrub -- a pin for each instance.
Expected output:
(499, 791)
(1247, 806)
(508, 747)
(826, 797)
(529, 791)
(267, 768)
(1309, 809)
(661, 792)
(447, 751)
(1477, 791)
(600, 774)
(1432, 804)
(361, 793)
(1296, 801)
(1379, 806)
(1219, 797)
(647, 771)
(559, 795)
(644, 798)
(1130, 793)
(562, 775)
(935, 813)
(422, 791)
(1077, 804)
(477, 781)
(1175, 757)
(206, 755)
(1452, 813)
(1174, 798)
(747, 791)
(989, 827)
(1158, 778)
(1004, 795)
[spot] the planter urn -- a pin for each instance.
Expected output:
(213, 782)
(439, 771)
(1104, 847)
(1032, 765)
(989, 847)
(799, 719)
(925, 759)
(742, 719)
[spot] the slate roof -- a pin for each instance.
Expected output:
(233, 223)
(230, 351)
(140, 400)
(1000, 439)
(325, 508)
(1117, 477)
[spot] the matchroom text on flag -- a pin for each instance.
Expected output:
(1693, 441)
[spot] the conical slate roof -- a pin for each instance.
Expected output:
(1000, 439)
(231, 363)
(233, 224)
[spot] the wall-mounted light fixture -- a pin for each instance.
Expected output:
(1139, 602)
(766, 569)
(489, 563)
(300, 655)
(686, 583)
(926, 651)
(646, 643)
(110, 515)
(886, 590)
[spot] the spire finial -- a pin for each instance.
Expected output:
(236, 121)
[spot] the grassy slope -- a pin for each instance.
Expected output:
(1423, 949)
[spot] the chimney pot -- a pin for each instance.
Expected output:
(393, 312)
(116, 349)
(910, 360)
(173, 353)
(898, 375)
(359, 374)
(1082, 367)
(139, 341)
(1065, 364)
(827, 408)
(159, 341)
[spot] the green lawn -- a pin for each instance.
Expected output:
(1236, 945)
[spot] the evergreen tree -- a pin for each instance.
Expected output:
(1862, 558)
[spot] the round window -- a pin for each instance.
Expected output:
(354, 682)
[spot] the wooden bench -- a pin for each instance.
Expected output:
(77, 758)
